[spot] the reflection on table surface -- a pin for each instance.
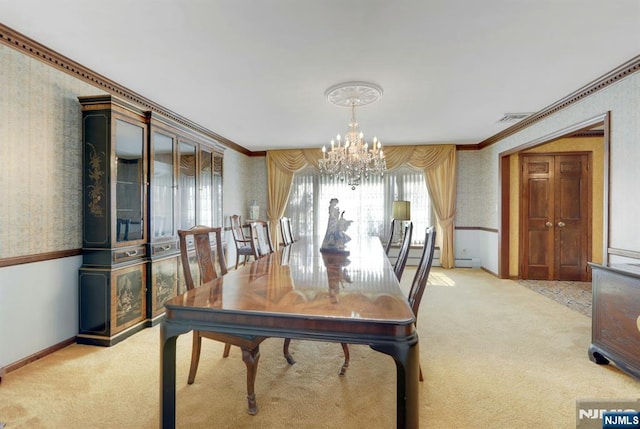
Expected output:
(300, 280)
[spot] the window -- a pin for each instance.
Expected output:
(369, 205)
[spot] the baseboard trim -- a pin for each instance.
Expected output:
(490, 272)
(4, 370)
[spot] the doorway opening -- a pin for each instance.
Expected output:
(588, 136)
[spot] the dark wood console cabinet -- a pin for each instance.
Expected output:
(615, 322)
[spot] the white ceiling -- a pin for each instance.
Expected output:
(255, 71)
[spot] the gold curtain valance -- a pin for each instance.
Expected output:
(294, 160)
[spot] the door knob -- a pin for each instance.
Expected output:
(560, 224)
(549, 224)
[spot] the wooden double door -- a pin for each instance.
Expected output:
(555, 216)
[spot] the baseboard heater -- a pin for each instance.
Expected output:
(467, 262)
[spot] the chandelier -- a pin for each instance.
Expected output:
(351, 158)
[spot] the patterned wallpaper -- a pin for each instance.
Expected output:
(245, 179)
(471, 189)
(258, 183)
(41, 153)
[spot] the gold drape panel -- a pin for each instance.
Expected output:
(281, 165)
(438, 163)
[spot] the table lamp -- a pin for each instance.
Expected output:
(402, 213)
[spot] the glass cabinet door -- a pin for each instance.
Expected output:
(187, 185)
(205, 212)
(129, 141)
(162, 188)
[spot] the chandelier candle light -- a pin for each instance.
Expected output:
(352, 158)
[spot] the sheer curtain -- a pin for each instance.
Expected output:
(369, 205)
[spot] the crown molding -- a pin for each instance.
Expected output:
(56, 60)
(607, 79)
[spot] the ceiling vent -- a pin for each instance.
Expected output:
(514, 117)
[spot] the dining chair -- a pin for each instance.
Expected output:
(419, 283)
(285, 231)
(292, 237)
(387, 246)
(243, 244)
(403, 255)
(260, 238)
(197, 241)
(416, 291)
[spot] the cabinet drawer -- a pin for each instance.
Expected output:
(160, 249)
(128, 254)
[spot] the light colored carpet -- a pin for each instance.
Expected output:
(494, 355)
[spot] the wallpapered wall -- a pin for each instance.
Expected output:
(41, 153)
(244, 180)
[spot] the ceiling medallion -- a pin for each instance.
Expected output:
(351, 94)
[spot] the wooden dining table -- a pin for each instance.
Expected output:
(299, 292)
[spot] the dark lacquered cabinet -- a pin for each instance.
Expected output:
(113, 277)
(145, 176)
(616, 316)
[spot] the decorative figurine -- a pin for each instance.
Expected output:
(335, 239)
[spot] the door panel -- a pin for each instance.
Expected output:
(571, 223)
(538, 192)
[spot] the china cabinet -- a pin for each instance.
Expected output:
(112, 279)
(145, 176)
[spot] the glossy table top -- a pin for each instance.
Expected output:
(300, 282)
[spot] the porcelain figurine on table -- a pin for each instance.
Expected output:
(336, 238)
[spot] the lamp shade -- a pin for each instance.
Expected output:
(402, 210)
